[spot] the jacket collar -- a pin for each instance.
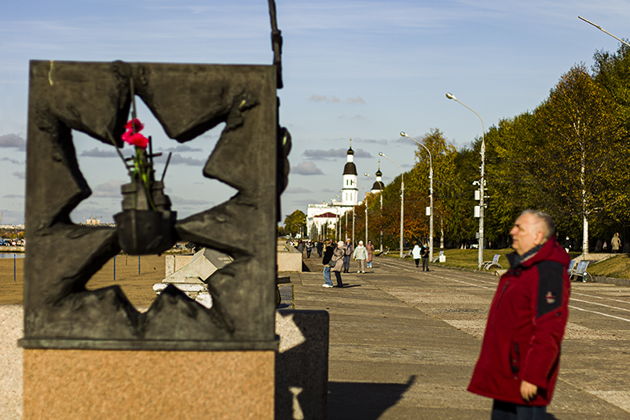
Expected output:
(551, 250)
(516, 259)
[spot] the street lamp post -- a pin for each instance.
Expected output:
(366, 219)
(353, 212)
(605, 31)
(402, 201)
(403, 134)
(366, 214)
(366, 211)
(482, 180)
(381, 222)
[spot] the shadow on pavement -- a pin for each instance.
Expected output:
(360, 400)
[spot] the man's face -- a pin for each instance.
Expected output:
(526, 233)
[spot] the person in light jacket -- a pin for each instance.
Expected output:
(360, 254)
(416, 253)
(336, 262)
(615, 243)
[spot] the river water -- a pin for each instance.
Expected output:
(11, 255)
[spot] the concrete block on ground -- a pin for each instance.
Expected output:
(288, 258)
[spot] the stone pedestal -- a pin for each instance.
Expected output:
(115, 384)
(302, 365)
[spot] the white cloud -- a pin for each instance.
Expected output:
(330, 154)
(12, 140)
(181, 160)
(6, 159)
(306, 168)
(336, 100)
(99, 153)
(109, 189)
(297, 190)
(182, 148)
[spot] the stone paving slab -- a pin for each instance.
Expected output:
(403, 345)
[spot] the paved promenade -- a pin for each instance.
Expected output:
(404, 342)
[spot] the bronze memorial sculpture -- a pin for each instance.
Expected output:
(250, 156)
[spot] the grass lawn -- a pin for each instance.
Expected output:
(617, 266)
(136, 281)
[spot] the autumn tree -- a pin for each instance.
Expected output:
(295, 223)
(577, 154)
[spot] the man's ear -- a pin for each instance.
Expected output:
(540, 237)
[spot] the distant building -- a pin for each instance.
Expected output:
(93, 221)
(350, 189)
(320, 218)
(378, 185)
(12, 227)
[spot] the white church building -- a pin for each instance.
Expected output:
(320, 218)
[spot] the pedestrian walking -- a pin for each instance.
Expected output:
(320, 248)
(349, 249)
(336, 262)
(360, 255)
(520, 353)
(328, 253)
(370, 254)
(425, 257)
(309, 249)
(615, 243)
(416, 253)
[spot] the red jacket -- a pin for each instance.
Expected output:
(526, 323)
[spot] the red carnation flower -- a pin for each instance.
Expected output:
(133, 136)
(134, 125)
(135, 139)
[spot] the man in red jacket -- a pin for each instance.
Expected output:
(520, 354)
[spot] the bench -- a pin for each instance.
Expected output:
(487, 265)
(577, 271)
(379, 253)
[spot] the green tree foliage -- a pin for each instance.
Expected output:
(295, 223)
(578, 156)
(569, 157)
(612, 72)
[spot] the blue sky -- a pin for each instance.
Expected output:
(352, 69)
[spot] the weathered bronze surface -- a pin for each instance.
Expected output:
(250, 156)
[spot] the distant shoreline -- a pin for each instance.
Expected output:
(10, 249)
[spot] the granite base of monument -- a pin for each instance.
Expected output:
(115, 384)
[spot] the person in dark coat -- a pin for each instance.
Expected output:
(519, 360)
(320, 248)
(424, 253)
